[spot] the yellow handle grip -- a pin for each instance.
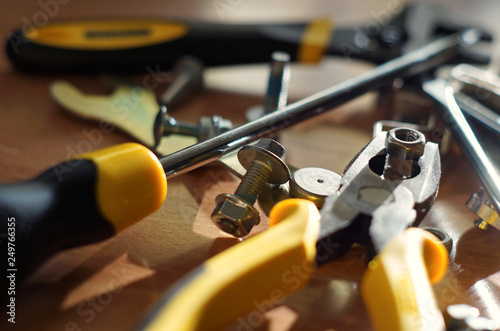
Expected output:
(397, 289)
(130, 183)
(254, 275)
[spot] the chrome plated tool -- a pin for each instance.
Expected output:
(478, 146)
(408, 65)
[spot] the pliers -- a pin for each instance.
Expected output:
(376, 201)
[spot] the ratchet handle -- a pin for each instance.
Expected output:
(81, 201)
(245, 277)
(151, 45)
(397, 289)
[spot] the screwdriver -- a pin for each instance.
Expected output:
(93, 196)
(135, 45)
(155, 44)
(83, 200)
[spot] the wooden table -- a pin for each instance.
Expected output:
(112, 284)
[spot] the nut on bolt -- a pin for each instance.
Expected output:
(235, 213)
(404, 147)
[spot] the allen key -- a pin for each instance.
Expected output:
(410, 64)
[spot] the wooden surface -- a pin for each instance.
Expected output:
(111, 285)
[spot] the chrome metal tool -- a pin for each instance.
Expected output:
(413, 63)
(479, 147)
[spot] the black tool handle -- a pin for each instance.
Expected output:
(47, 214)
(78, 202)
(148, 45)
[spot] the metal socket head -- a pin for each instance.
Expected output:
(405, 143)
(270, 152)
(234, 216)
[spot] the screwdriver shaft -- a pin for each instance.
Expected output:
(410, 64)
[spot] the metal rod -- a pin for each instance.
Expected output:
(473, 149)
(413, 63)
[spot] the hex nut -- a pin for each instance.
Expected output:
(234, 216)
(444, 238)
(405, 143)
(211, 126)
(404, 147)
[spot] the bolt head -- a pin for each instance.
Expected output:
(405, 143)
(234, 216)
(272, 146)
(270, 152)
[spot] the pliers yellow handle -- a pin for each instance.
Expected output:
(396, 287)
(233, 282)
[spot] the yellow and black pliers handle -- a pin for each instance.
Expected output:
(396, 287)
(255, 273)
(233, 282)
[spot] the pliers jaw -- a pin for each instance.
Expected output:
(370, 209)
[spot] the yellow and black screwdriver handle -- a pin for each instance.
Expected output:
(149, 45)
(84, 200)
(255, 275)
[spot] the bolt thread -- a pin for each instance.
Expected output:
(253, 182)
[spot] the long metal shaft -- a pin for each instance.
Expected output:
(477, 152)
(410, 64)
(481, 163)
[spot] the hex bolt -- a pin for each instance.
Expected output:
(208, 126)
(404, 146)
(480, 205)
(278, 84)
(277, 87)
(187, 79)
(235, 213)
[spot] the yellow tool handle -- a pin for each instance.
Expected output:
(81, 201)
(397, 289)
(254, 275)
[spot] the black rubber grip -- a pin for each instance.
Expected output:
(52, 212)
